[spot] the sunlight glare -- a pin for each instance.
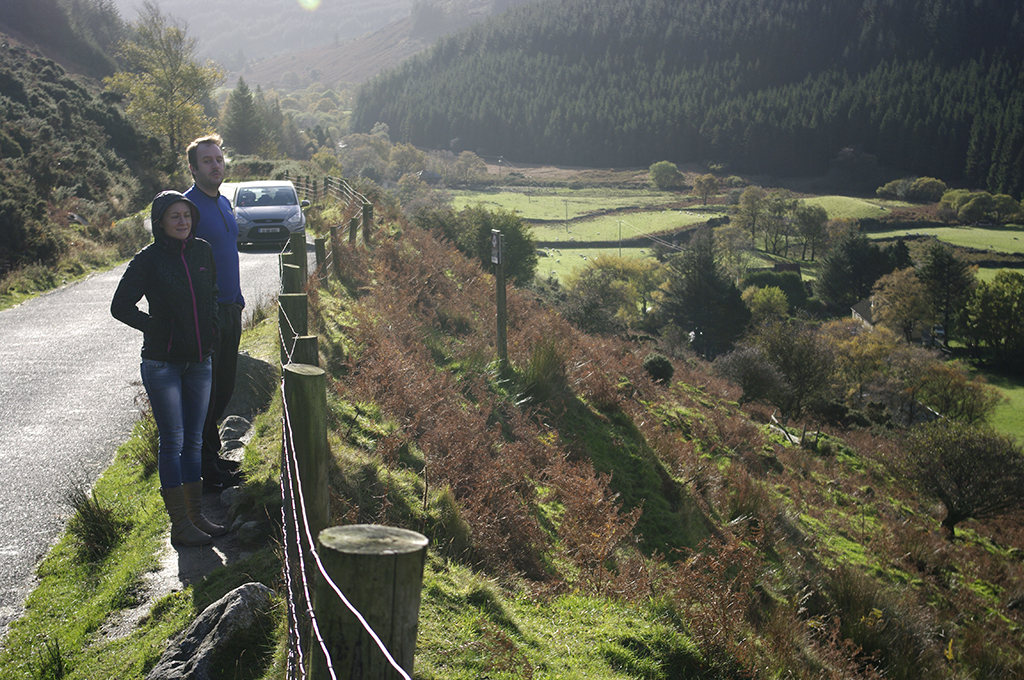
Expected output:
(309, 4)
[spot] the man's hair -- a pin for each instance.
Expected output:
(208, 139)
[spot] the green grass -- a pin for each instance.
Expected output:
(1007, 417)
(470, 629)
(625, 225)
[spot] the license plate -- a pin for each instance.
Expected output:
(268, 230)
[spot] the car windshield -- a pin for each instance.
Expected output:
(261, 196)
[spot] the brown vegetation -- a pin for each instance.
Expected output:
(572, 470)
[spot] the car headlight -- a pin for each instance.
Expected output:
(242, 219)
(295, 219)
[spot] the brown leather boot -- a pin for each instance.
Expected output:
(183, 531)
(194, 506)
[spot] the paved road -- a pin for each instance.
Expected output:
(69, 379)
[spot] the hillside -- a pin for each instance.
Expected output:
(65, 150)
(703, 541)
(852, 87)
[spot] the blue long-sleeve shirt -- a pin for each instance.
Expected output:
(217, 226)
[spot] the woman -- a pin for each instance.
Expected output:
(177, 277)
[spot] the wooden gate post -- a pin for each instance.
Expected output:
(320, 245)
(380, 571)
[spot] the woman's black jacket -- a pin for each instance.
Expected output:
(179, 281)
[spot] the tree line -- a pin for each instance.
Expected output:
(929, 87)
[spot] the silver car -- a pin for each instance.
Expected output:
(268, 211)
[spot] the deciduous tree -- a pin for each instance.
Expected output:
(665, 175)
(706, 185)
(899, 301)
(800, 355)
(751, 211)
(994, 317)
(973, 471)
(164, 82)
(810, 224)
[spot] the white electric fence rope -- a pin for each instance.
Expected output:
(296, 487)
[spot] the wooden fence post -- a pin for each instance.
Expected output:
(320, 246)
(367, 222)
(305, 394)
(297, 245)
(292, 321)
(353, 227)
(380, 571)
(307, 350)
(291, 278)
(336, 251)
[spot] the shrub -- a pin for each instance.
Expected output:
(665, 175)
(659, 367)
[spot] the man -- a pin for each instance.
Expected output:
(217, 226)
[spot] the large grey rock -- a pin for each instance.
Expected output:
(233, 428)
(216, 639)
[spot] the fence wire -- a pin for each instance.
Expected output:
(300, 542)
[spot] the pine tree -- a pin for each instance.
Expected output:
(702, 300)
(949, 280)
(242, 124)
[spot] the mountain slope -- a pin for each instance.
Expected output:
(352, 62)
(929, 87)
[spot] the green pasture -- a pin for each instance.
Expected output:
(1008, 239)
(561, 262)
(843, 207)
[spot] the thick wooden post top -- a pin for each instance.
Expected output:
(372, 539)
(303, 369)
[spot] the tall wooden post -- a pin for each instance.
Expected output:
(380, 571)
(307, 350)
(353, 227)
(498, 260)
(320, 246)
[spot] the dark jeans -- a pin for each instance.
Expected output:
(179, 394)
(225, 364)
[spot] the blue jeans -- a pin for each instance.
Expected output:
(179, 394)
